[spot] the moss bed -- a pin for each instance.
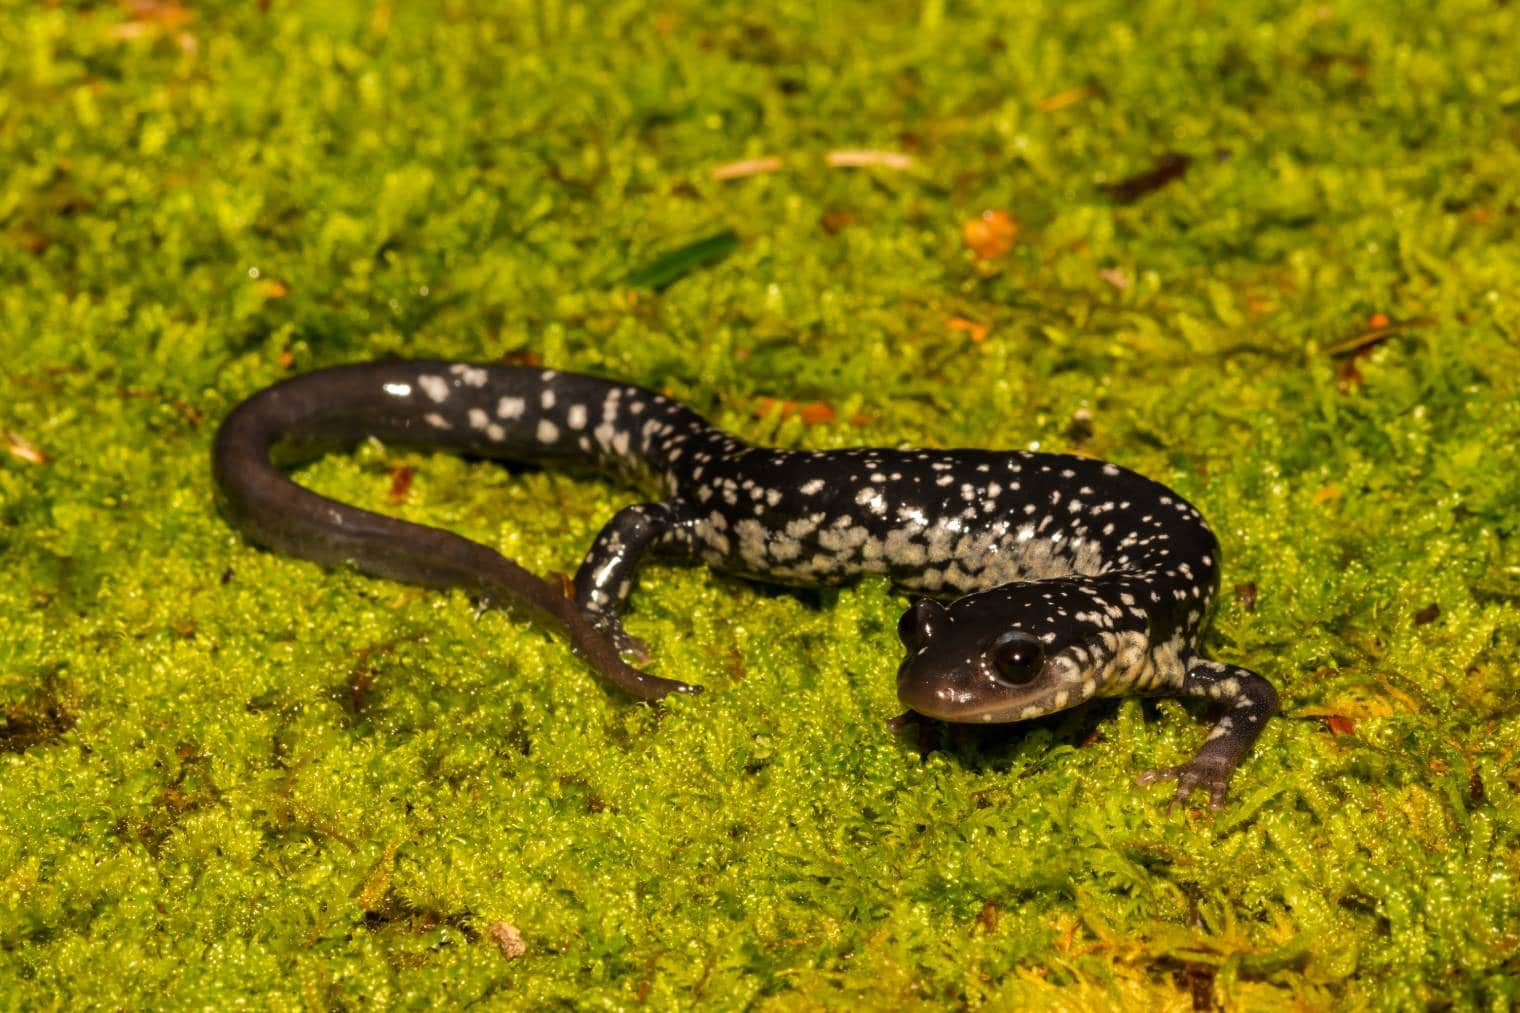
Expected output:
(228, 776)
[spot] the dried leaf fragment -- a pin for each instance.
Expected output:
(746, 167)
(508, 940)
(812, 413)
(991, 234)
(834, 222)
(1069, 97)
(522, 357)
(867, 158)
(148, 18)
(156, 11)
(401, 484)
(1115, 277)
(21, 447)
(977, 332)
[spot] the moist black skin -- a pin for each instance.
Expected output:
(1046, 579)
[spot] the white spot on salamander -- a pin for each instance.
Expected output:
(472, 375)
(872, 500)
(436, 387)
(510, 408)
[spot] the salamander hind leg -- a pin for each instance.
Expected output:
(1248, 700)
(607, 574)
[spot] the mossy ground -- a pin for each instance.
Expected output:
(232, 776)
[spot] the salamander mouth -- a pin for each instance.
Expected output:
(943, 702)
(975, 698)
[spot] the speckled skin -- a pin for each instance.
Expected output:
(1063, 578)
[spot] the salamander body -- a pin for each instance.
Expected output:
(1046, 580)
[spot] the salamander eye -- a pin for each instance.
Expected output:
(1016, 658)
(922, 622)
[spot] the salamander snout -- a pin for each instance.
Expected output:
(958, 669)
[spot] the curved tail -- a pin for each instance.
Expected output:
(493, 411)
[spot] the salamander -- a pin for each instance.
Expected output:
(1042, 580)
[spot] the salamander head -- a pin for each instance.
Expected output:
(1002, 655)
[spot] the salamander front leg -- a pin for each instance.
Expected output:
(1248, 701)
(607, 575)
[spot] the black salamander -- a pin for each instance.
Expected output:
(1046, 580)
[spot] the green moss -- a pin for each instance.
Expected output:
(225, 774)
